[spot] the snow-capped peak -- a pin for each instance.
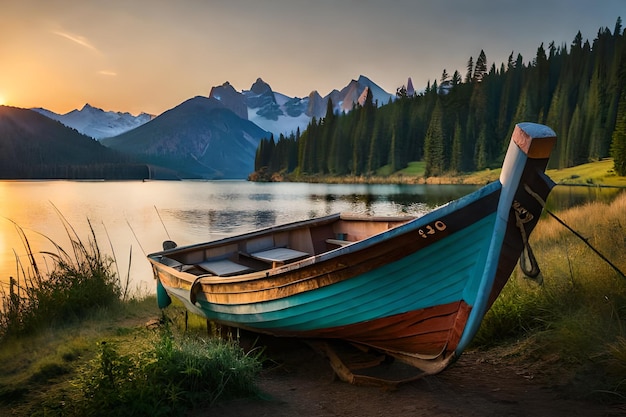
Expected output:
(97, 123)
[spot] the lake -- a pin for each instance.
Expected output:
(132, 218)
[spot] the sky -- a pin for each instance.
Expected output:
(151, 55)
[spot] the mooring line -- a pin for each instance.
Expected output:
(138, 242)
(578, 235)
(158, 214)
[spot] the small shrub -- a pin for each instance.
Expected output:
(50, 370)
(177, 374)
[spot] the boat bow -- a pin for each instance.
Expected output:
(416, 289)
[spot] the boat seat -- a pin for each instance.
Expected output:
(224, 267)
(171, 262)
(279, 256)
(338, 242)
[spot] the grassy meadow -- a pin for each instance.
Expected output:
(598, 173)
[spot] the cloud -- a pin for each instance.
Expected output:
(107, 73)
(81, 40)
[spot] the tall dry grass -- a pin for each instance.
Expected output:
(141, 374)
(55, 287)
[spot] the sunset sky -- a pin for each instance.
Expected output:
(150, 55)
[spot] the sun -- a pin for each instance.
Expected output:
(2, 100)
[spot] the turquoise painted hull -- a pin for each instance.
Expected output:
(444, 272)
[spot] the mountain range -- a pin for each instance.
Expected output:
(217, 136)
(97, 123)
(272, 111)
(281, 114)
(35, 146)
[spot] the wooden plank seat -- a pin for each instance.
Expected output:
(171, 262)
(338, 242)
(224, 267)
(279, 256)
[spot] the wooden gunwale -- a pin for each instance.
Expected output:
(310, 274)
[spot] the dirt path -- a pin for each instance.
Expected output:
(302, 384)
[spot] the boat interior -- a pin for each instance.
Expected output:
(275, 246)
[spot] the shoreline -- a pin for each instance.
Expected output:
(462, 180)
(593, 174)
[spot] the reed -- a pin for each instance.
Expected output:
(59, 286)
(52, 321)
(578, 313)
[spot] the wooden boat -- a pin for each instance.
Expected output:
(416, 289)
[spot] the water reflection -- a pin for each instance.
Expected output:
(195, 211)
(260, 197)
(404, 202)
(563, 197)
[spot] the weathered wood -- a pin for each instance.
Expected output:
(347, 372)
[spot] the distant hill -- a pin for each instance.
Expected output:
(35, 146)
(97, 123)
(200, 138)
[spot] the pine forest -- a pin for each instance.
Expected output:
(463, 122)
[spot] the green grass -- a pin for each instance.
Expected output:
(110, 363)
(73, 343)
(174, 374)
(414, 169)
(80, 280)
(600, 173)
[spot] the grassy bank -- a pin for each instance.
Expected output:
(73, 342)
(599, 173)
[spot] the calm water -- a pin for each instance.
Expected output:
(131, 219)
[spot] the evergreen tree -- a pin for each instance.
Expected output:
(481, 67)
(456, 158)
(445, 82)
(401, 92)
(618, 144)
(481, 154)
(362, 134)
(433, 144)
(376, 151)
(456, 79)
(398, 149)
(618, 140)
(470, 70)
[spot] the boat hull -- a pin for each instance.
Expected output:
(417, 291)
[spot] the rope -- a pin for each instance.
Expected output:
(527, 261)
(578, 235)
